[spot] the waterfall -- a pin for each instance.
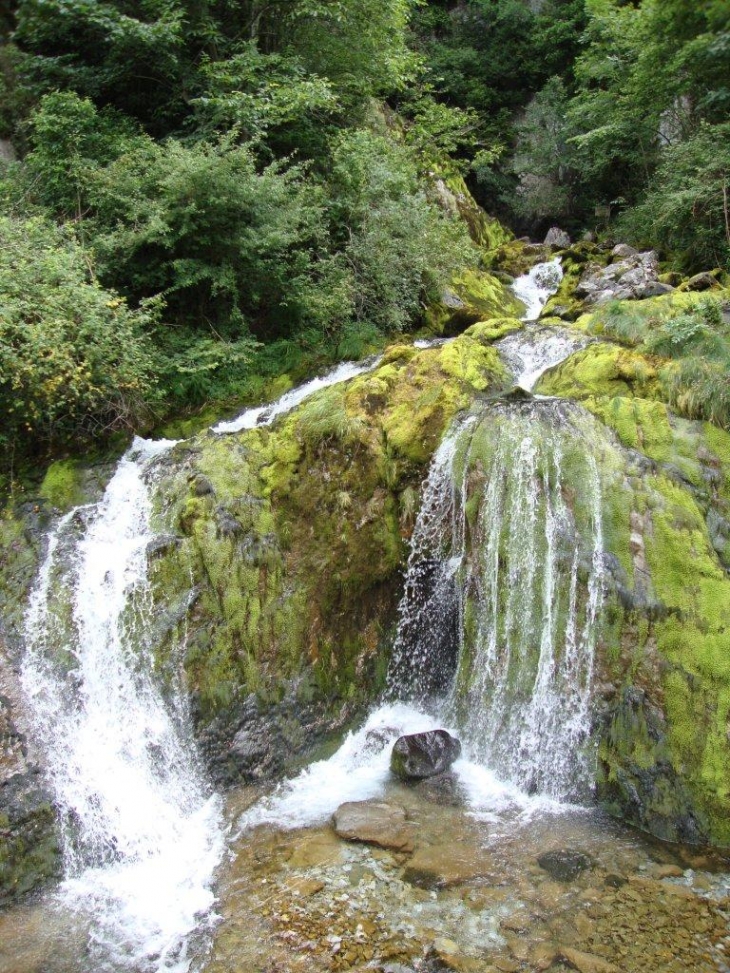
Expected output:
(141, 831)
(509, 542)
(534, 288)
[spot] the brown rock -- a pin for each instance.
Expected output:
(374, 823)
(442, 866)
(585, 962)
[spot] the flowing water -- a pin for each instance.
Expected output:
(264, 415)
(141, 831)
(498, 628)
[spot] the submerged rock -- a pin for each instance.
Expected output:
(422, 755)
(374, 823)
(564, 865)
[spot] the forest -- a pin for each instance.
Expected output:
(199, 195)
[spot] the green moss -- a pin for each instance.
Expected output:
(61, 485)
(493, 329)
(638, 423)
(602, 370)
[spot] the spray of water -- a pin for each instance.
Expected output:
(142, 834)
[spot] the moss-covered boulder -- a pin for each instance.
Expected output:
(282, 578)
(665, 665)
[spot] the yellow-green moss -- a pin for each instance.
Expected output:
(602, 369)
(493, 329)
(61, 485)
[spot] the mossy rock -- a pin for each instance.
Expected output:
(295, 547)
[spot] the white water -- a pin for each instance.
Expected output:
(264, 415)
(142, 833)
(516, 678)
(360, 771)
(536, 287)
(533, 351)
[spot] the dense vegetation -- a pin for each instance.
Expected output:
(212, 191)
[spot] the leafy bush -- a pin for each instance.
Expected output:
(74, 359)
(401, 249)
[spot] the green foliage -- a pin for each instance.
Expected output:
(230, 248)
(542, 158)
(73, 357)
(687, 206)
(69, 140)
(401, 248)
(696, 338)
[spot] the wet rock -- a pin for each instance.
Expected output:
(422, 755)
(565, 865)
(442, 789)
(585, 962)
(446, 865)
(201, 486)
(557, 238)
(374, 823)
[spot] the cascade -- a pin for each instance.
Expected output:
(510, 539)
(141, 831)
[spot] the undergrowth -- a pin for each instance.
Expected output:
(696, 339)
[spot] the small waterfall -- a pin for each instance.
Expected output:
(510, 532)
(264, 415)
(142, 833)
(534, 288)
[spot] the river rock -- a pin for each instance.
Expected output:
(374, 823)
(564, 865)
(585, 962)
(442, 789)
(422, 755)
(557, 238)
(447, 865)
(632, 276)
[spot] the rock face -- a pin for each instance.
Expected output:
(29, 849)
(374, 823)
(421, 755)
(631, 276)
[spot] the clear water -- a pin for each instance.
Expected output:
(142, 832)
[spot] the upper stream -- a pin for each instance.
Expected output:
(498, 627)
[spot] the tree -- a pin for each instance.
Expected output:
(74, 359)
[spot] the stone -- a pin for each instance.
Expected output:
(701, 282)
(442, 789)
(564, 865)
(632, 276)
(557, 238)
(622, 250)
(421, 755)
(446, 865)
(374, 823)
(585, 962)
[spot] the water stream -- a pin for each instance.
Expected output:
(498, 627)
(141, 830)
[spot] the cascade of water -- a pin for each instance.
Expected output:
(509, 541)
(264, 415)
(534, 288)
(531, 352)
(426, 645)
(142, 834)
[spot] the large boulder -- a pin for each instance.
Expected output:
(421, 755)
(374, 823)
(557, 238)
